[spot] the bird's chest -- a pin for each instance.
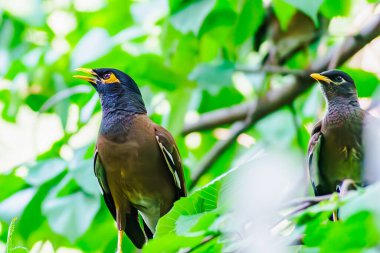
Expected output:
(342, 145)
(341, 149)
(131, 166)
(128, 174)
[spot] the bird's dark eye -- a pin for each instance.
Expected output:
(106, 76)
(338, 79)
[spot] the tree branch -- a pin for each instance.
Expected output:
(274, 100)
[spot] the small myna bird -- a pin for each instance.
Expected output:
(137, 162)
(335, 149)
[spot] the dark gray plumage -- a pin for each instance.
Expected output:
(335, 148)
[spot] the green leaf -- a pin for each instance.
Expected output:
(190, 18)
(101, 233)
(13, 183)
(12, 103)
(284, 12)
(309, 7)
(32, 219)
(211, 75)
(82, 171)
(63, 95)
(205, 222)
(366, 201)
(174, 5)
(45, 170)
(366, 82)
(353, 235)
(71, 215)
(160, 76)
(249, 20)
(219, 24)
(92, 46)
(172, 243)
(15, 205)
(211, 100)
(275, 134)
(178, 110)
(202, 200)
(30, 13)
(88, 109)
(335, 8)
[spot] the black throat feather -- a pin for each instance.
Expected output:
(119, 110)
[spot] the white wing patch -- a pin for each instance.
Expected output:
(170, 162)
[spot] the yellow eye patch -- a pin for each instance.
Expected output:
(110, 78)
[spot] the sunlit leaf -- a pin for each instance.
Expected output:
(44, 170)
(249, 20)
(365, 82)
(309, 7)
(284, 12)
(210, 75)
(14, 205)
(71, 215)
(202, 200)
(93, 45)
(191, 16)
(336, 8)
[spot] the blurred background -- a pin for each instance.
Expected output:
(228, 78)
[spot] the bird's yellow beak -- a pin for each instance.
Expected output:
(320, 77)
(91, 79)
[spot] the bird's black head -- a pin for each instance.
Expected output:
(336, 85)
(116, 89)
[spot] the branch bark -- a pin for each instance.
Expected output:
(254, 111)
(278, 98)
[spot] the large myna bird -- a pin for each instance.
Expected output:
(137, 162)
(335, 148)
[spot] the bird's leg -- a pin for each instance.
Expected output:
(335, 216)
(119, 241)
(120, 228)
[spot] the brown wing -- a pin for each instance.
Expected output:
(313, 154)
(172, 157)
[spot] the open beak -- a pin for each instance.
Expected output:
(91, 79)
(321, 78)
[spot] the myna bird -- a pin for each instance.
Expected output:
(136, 161)
(335, 149)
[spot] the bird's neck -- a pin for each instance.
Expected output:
(131, 104)
(337, 103)
(118, 113)
(342, 112)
